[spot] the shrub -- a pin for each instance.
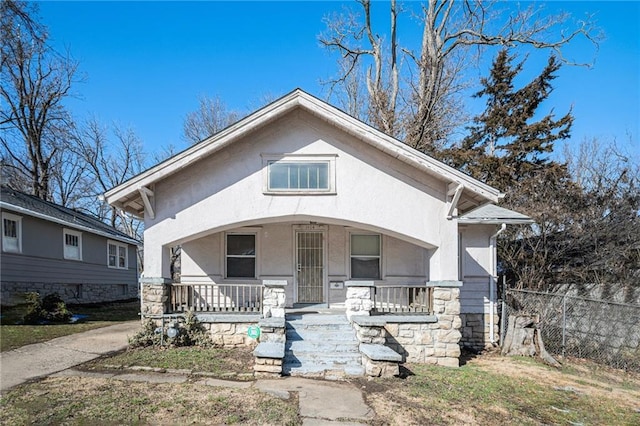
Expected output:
(49, 309)
(191, 332)
(146, 336)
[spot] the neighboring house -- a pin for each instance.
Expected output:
(48, 248)
(301, 197)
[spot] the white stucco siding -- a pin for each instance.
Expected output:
(476, 269)
(203, 259)
(373, 191)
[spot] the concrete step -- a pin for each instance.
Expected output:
(314, 346)
(321, 345)
(345, 336)
(324, 370)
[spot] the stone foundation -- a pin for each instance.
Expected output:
(425, 339)
(13, 293)
(476, 331)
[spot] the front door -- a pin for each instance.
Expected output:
(310, 266)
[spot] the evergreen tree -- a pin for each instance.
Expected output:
(506, 145)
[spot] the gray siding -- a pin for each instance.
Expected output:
(42, 258)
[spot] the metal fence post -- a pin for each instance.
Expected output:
(503, 314)
(564, 323)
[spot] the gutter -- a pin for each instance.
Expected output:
(492, 280)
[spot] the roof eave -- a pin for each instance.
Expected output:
(494, 221)
(43, 216)
(376, 138)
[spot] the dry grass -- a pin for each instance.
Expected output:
(492, 390)
(92, 401)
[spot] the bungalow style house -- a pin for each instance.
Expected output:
(301, 205)
(48, 248)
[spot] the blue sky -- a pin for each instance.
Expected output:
(146, 63)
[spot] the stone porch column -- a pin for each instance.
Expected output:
(273, 298)
(358, 300)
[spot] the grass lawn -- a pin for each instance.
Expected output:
(86, 401)
(489, 389)
(495, 390)
(218, 362)
(98, 315)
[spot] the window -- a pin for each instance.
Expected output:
(241, 255)
(365, 256)
(299, 174)
(11, 233)
(117, 255)
(72, 244)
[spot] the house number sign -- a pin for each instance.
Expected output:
(253, 331)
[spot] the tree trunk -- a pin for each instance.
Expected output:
(524, 339)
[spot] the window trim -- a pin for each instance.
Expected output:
(379, 257)
(118, 245)
(329, 159)
(256, 249)
(18, 220)
(65, 232)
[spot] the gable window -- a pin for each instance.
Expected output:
(365, 256)
(117, 255)
(299, 174)
(241, 256)
(11, 233)
(72, 241)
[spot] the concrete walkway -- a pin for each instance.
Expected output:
(321, 402)
(42, 359)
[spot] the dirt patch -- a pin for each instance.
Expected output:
(491, 389)
(578, 376)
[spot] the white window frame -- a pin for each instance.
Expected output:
(118, 246)
(18, 220)
(256, 235)
(329, 159)
(379, 257)
(76, 234)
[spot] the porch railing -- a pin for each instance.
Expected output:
(403, 299)
(216, 297)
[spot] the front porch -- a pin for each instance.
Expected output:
(388, 324)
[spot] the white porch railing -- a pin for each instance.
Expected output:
(403, 299)
(216, 297)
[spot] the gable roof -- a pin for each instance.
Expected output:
(493, 215)
(19, 202)
(127, 195)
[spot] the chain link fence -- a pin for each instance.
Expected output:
(571, 326)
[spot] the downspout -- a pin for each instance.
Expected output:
(493, 279)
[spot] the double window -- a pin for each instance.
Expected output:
(299, 174)
(241, 255)
(11, 233)
(117, 255)
(72, 244)
(365, 256)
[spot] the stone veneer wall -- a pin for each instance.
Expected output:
(436, 343)
(13, 292)
(155, 298)
(476, 331)
(428, 339)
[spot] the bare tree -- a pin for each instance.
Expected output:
(35, 81)
(414, 95)
(110, 158)
(211, 116)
